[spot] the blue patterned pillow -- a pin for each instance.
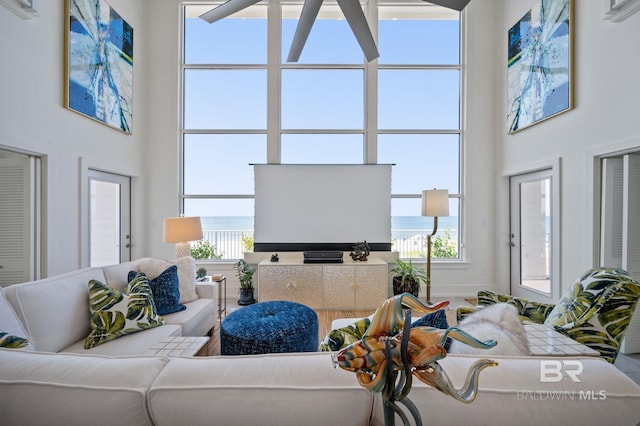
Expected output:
(436, 319)
(166, 290)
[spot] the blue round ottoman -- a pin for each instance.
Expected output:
(269, 327)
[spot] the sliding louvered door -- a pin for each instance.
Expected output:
(631, 242)
(620, 227)
(18, 218)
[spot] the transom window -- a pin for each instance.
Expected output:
(243, 103)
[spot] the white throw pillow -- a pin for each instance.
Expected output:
(186, 274)
(499, 322)
(10, 324)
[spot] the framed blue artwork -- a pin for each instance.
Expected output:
(540, 64)
(99, 63)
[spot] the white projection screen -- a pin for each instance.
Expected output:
(322, 206)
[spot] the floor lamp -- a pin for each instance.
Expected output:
(435, 202)
(181, 231)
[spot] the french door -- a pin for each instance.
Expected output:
(531, 225)
(109, 218)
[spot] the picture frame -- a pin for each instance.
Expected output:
(99, 63)
(540, 64)
(619, 10)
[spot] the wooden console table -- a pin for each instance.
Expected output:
(348, 285)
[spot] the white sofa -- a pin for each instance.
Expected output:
(49, 386)
(55, 311)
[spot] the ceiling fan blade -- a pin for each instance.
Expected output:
(451, 4)
(226, 9)
(308, 16)
(358, 23)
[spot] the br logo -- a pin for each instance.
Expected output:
(552, 371)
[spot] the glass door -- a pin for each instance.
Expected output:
(109, 218)
(531, 235)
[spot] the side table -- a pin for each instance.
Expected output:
(222, 303)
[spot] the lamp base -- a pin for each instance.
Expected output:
(183, 250)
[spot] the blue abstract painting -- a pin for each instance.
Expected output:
(99, 63)
(539, 64)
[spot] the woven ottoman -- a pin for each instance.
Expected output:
(269, 327)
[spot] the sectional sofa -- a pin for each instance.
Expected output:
(55, 380)
(56, 317)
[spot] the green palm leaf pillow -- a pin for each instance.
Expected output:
(587, 296)
(10, 341)
(343, 337)
(117, 313)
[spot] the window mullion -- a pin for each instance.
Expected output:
(274, 83)
(371, 94)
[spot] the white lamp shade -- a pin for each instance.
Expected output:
(182, 229)
(435, 202)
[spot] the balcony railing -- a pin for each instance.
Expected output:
(412, 243)
(409, 243)
(228, 243)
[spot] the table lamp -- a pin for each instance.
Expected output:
(182, 230)
(435, 202)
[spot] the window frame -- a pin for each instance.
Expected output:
(370, 132)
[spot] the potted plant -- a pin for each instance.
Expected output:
(201, 273)
(245, 272)
(407, 277)
(204, 249)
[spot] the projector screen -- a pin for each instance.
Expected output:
(302, 207)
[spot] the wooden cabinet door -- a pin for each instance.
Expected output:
(370, 286)
(339, 283)
(302, 284)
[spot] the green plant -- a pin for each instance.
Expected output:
(201, 273)
(204, 249)
(443, 246)
(245, 272)
(407, 272)
(247, 242)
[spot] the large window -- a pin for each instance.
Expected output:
(243, 103)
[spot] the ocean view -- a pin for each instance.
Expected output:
(408, 233)
(245, 223)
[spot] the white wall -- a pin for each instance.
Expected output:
(607, 94)
(32, 118)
